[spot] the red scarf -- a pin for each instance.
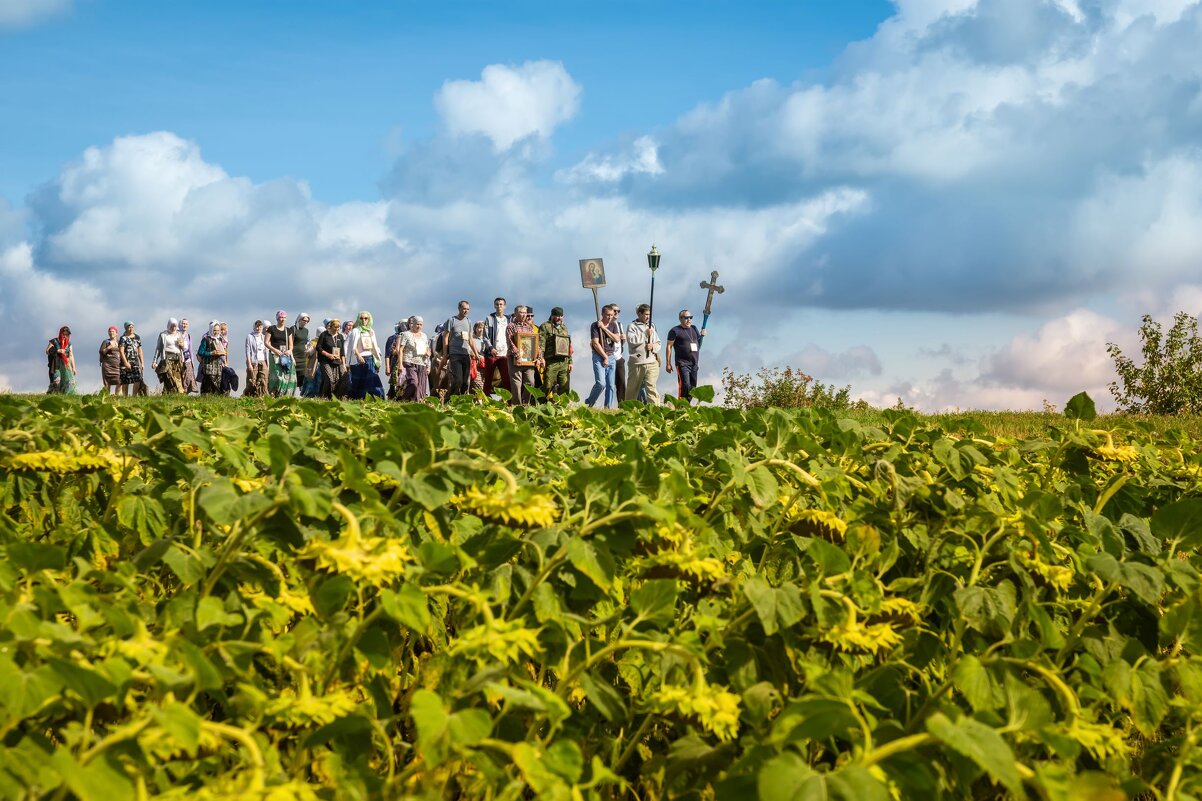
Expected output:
(64, 344)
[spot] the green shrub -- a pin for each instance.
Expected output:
(783, 388)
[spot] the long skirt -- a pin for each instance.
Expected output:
(417, 382)
(172, 375)
(365, 381)
(256, 381)
(210, 376)
(331, 381)
(62, 381)
(190, 384)
(280, 380)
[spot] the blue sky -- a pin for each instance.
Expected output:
(954, 202)
(324, 91)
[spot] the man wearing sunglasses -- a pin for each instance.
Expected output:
(684, 342)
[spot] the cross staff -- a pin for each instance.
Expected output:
(712, 286)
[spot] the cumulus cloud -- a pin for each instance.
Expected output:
(510, 103)
(643, 157)
(19, 13)
(1067, 354)
(825, 365)
(994, 139)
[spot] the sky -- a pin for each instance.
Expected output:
(952, 203)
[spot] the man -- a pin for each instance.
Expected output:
(684, 342)
(619, 352)
(644, 356)
(523, 375)
(556, 345)
(391, 363)
(300, 343)
(458, 351)
(605, 341)
(496, 347)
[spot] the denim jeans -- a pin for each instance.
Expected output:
(603, 379)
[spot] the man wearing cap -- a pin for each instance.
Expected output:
(556, 345)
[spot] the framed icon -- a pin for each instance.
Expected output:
(592, 273)
(527, 350)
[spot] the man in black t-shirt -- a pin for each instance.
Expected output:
(684, 342)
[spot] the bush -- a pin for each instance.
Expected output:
(1169, 381)
(785, 388)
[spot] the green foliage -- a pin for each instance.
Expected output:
(1170, 379)
(282, 599)
(785, 388)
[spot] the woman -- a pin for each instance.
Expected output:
(132, 359)
(476, 371)
(189, 359)
(211, 353)
(168, 361)
(312, 376)
(256, 363)
(347, 328)
(281, 377)
(60, 361)
(413, 355)
(110, 362)
(329, 359)
(364, 356)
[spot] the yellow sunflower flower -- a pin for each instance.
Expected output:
(715, 708)
(375, 560)
(523, 508)
(1116, 453)
(66, 462)
(502, 640)
(852, 635)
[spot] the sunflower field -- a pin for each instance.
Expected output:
(300, 600)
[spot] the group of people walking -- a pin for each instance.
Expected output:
(343, 359)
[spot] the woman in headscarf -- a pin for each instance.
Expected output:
(132, 359)
(329, 359)
(211, 352)
(281, 376)
(413, 354)
(189, 359)
(168, 361)
(347, 328)
(110, 362)
(364, 361)
(60, 361)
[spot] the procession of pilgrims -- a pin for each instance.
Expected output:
(348, 359)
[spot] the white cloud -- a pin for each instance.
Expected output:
(510, 103)
(19, 13)
(643, 158)
(1065, 355)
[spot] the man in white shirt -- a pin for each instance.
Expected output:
(643, 358)
(496, 347)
